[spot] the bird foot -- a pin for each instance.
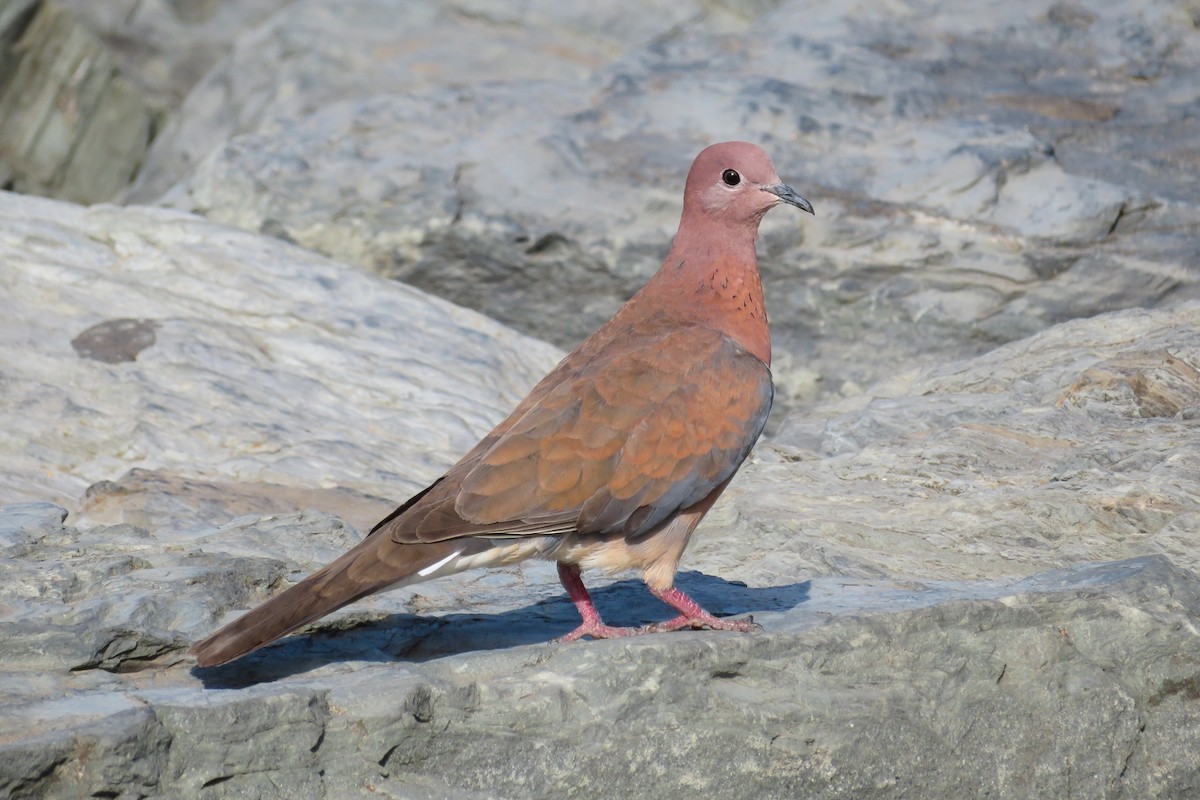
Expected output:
(704, 621)
(691, 615)
(599, 630)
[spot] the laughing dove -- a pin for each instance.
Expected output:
(614, 457)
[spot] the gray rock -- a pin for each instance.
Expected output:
(71, 125)
(260, 350)
(968, 193)
(165, 48)
(22, 524)
(85, 84)
(311, 53)
(1077, 680)
(1076, 444)
(895, 551)
(974, 565)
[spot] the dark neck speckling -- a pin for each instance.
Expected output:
(714, 280)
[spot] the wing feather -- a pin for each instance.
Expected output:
(618, 444)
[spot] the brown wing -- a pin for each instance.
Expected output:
(643, 428)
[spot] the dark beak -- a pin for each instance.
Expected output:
(788, 195)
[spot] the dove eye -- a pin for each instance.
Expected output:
(731, 177)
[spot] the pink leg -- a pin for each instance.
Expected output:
(692, 615)
(593, 625)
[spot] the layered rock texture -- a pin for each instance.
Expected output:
(339, 240)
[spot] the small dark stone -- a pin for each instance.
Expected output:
(115, 340)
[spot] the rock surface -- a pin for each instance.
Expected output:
(972, 549)
(166, 47)
(71, 125)
(254, 353)
(1076, 444)
(968, 192)
(85, 84)
(1079, 681)
(894, 550)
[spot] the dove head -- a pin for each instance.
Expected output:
(734, 184)
(710, 274)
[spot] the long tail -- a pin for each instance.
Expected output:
(375, 564)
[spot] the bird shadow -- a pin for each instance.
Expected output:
(415, 638)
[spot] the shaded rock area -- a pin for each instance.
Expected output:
(968, 536)
(71, 125)
(85, 86)
(166, 47)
